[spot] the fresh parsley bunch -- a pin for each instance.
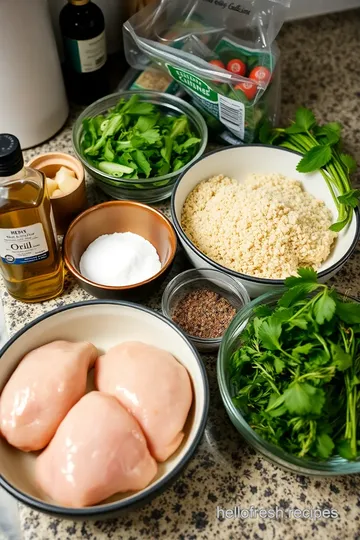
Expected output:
(296, 374)
(322, 149)
(137, 140)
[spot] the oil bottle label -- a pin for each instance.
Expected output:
(23, 245)
(86, 55)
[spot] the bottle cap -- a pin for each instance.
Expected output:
(11, 158)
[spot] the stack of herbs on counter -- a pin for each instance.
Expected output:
(296, 374)
(322, 149)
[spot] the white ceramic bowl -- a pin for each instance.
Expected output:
(239, 162)
(105, 323)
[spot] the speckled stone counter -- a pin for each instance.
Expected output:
(321, 69)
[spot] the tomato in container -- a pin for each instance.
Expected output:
(236, 66)
(248, 88)
(260, 74)
(219, 64)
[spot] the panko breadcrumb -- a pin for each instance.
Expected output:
(267, 226)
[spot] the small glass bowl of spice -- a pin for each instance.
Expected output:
(202, 302)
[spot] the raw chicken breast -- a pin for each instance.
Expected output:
(98, 450)
(153, 386)
(43, 388)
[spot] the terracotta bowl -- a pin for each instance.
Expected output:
(120, 216)
(65, 207)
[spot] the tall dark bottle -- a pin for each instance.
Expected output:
(83, 30)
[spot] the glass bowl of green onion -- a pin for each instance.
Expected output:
(135, 144)
(289, 373)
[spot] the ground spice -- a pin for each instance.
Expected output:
(203, 313)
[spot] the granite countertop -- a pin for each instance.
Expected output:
(320, 70)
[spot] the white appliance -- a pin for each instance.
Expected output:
(33, 103)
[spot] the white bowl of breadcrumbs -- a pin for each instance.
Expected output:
(247, 211)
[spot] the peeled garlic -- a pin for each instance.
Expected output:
(66, 180)
(51, 186)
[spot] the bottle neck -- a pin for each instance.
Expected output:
(17, 176)
(79, 2)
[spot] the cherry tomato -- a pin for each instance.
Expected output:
(220, 64)
(236, 66)
(248, 88)
(217, 63)
(260, 74)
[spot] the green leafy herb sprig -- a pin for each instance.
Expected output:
(137, 140)
(322, 149)
(296, 374)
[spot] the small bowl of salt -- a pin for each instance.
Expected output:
(120, 250)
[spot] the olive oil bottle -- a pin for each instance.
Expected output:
(30, 259)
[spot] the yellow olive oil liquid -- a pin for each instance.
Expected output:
(30, 258)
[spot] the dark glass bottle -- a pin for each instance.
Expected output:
(83, 30)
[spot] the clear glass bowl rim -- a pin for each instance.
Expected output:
(148, 95)
(187, 277)
(335, 466)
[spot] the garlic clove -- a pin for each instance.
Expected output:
(51, 186)
(66, 182)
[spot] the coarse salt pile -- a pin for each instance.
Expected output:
(119, 259)
(267, 226)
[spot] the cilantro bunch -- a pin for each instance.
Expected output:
(296, 374)
(137, 140)
(322, 149)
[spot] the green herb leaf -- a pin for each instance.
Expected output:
(144, 123)
(279, 364)
(340, 358)
(349, 312)
(276, 406)
(142, 162)
(339, 225)
(269, 333)
(324, 308)
(302, 349)
(344, 449)
(302, 398)
(140, 109)
(324, 445)
(294, 128)
(316, 158)
(299, 323)
(305, 275)
(305, 119)
(109, 154)
(151, 136)
(349, 162)
(351, 198)
(297, 293)
(268, 135)
(179, 127)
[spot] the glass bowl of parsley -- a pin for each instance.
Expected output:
(289, 376)
(135, 143)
